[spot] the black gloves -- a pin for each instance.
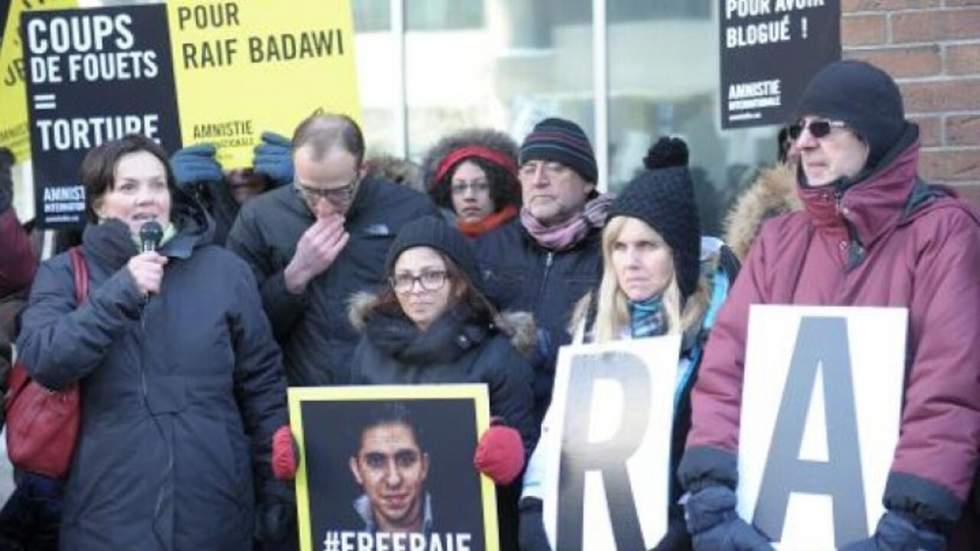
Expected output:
(714, 524)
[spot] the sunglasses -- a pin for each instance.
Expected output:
(819, 128)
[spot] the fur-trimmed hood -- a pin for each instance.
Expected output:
(484, 137)
(772, 193)
(519, 326)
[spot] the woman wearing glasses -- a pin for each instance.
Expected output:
(472, 175)
(432, 324)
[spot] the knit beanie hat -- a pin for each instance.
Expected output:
(664, 199)
(433, 231)
(563, 141)
(861, 95)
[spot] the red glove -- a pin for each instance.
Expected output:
(285, 454)
(500, 454)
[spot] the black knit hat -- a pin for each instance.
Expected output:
(433, 231)
(664, 199)
(861, 95)
(563, 141)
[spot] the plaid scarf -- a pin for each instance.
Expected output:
(647, 317)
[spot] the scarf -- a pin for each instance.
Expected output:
(397, 336)
(647, 317)
(489, 222)
(566, 235)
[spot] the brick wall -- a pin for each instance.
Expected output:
(932, 48)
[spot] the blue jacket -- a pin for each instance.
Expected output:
(180, 395)
(521, 275)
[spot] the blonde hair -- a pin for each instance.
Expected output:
(612, 311)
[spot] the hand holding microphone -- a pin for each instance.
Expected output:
(147, 267)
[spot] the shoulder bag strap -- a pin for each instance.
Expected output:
(80, 270)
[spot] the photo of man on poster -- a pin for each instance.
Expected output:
(391, 467)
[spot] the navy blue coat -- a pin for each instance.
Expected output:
(520, 274)
(180, 395)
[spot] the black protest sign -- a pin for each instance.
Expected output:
(819, 422)
(769, 51)
(93, 76)
(610, 422)
(4, 11)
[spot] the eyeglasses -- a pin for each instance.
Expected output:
(476, 186)
(335, 195)
(819, 128)
(432, 280)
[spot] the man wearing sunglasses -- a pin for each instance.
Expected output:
(871, 234)
(315, 242)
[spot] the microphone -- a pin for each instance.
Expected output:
(150, 235)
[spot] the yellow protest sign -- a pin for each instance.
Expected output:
(241, 68)
(13, 95)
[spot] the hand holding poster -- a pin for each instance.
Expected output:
(821, 403)
(391, 467)
(606, 441)
(245, 67)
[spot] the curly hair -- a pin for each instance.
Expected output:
(504, 187)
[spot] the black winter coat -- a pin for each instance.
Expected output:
(312, 327)
(455, 349)
(520, 274)
(180, 395)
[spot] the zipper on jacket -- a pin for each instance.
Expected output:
(168, 470)
(548, 260)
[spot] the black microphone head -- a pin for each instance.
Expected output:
(150, 235)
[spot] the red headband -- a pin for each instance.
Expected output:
(496, 157)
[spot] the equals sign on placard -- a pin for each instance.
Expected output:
(44, 102)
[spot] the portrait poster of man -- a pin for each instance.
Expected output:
(391, 467)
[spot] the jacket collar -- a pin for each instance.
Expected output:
(871, 204)
(111, 244)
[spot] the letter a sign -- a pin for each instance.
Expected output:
(821, 403)
(606, 482)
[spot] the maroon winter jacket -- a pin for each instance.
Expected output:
(915, 247)
(17, 262)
